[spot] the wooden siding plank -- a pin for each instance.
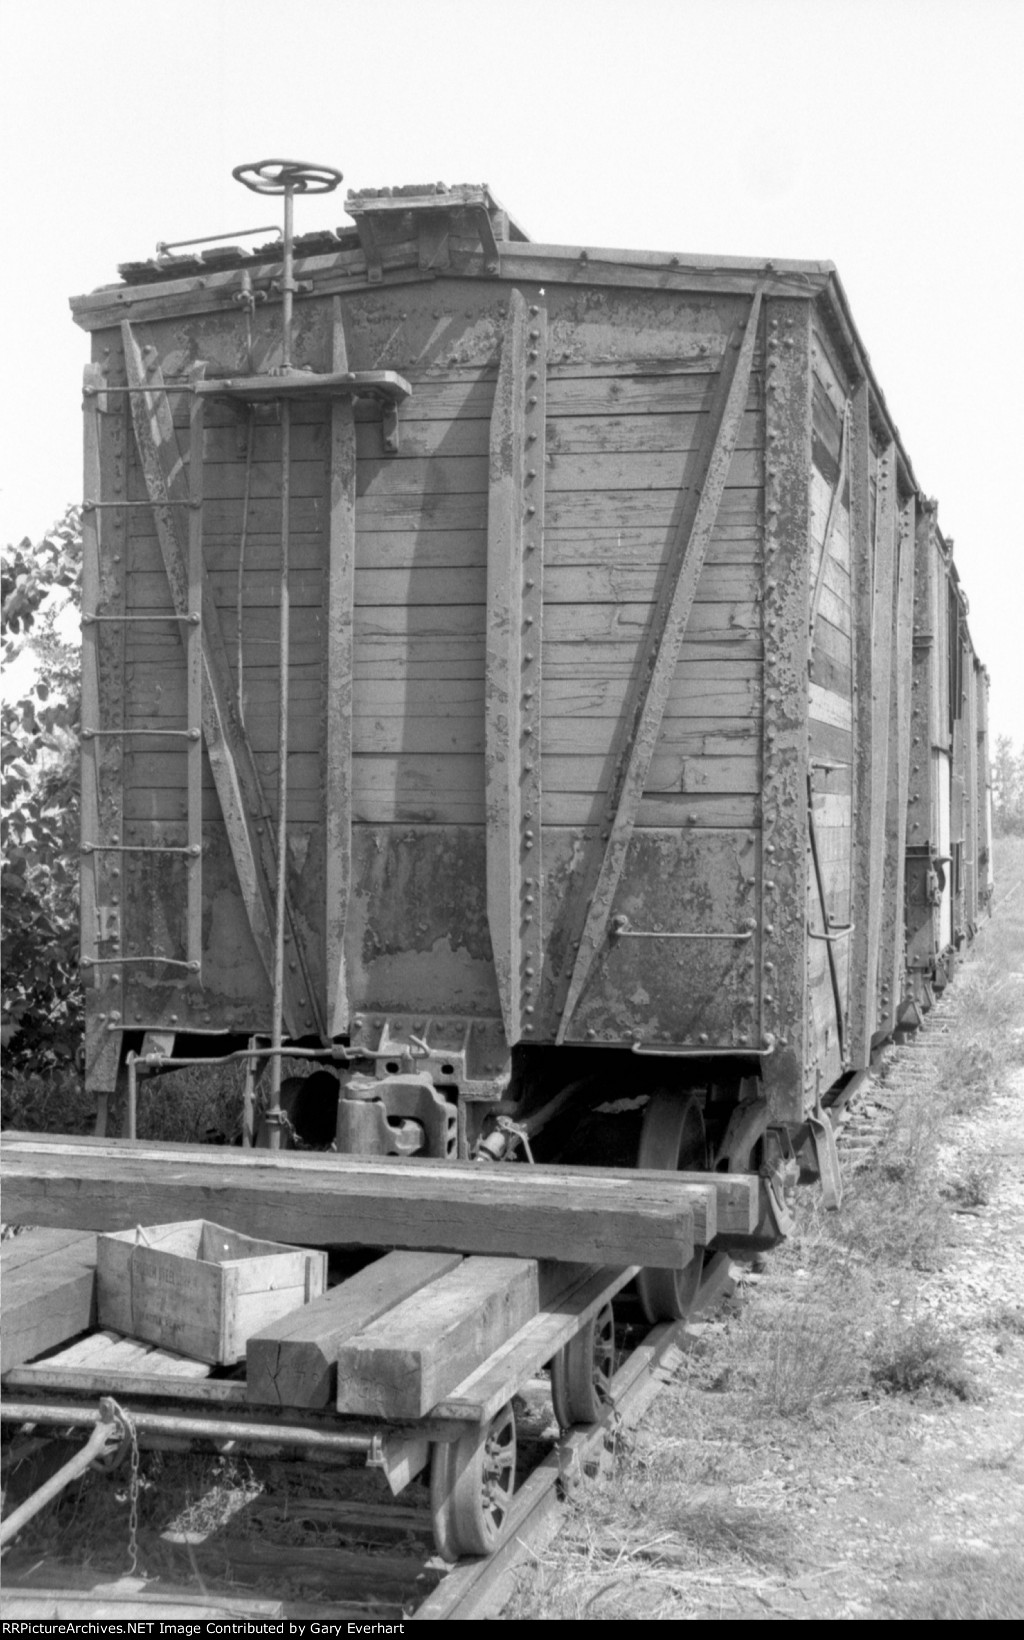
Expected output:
(714, 811)
(663, 643)
(439, 511)
(631, 549)
(824, 706)
(829, 640)
(818, 585)
(699, 691)
(646, 434)
(828, 673)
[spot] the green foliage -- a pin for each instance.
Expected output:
(41, 1024)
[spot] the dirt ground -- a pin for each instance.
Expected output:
(846, 1440)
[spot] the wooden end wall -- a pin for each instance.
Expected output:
(628, 378)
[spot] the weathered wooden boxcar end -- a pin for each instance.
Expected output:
(630, 696)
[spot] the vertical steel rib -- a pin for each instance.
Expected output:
(512, 728)
(644, 713)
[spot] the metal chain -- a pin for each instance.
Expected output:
(133, 1500)
(130, 1434)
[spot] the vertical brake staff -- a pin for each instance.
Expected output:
(287, 177)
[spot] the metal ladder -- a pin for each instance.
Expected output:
(94, 920)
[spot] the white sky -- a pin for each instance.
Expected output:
(884, 135)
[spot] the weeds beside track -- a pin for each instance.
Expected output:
(847, 1439)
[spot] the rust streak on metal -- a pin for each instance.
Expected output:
(784, 779)
(512, 688)
(862, 572)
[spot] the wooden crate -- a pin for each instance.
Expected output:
(199, 1288)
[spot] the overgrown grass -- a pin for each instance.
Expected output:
(825, 1356)
(965, 1586)
(918, 1357)
(197, 1105)
(200, 1104)
(642, 1547)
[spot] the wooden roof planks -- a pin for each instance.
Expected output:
(578, 1215)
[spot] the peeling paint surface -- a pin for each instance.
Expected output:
(418, 939)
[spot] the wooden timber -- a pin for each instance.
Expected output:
(401, 1365)
(47, 1291)
(486, 1388)
(293, 1362)
(580, 1215)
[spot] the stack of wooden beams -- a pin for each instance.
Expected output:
(578, 1215)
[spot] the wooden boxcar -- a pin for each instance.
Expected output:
(630, 695)
(949, 821)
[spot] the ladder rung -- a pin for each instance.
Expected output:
(172, 734)
(158, 501)
(193, 849)
(192, 619)
(165, 387)
(95, 506)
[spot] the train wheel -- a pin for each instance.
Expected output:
(471, 1486)
(582, 1372)
(672, 1137)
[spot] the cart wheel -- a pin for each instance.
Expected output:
(471, 1486)
(672, 1137)
(582, 1372)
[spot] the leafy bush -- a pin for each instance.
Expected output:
(41, 1026)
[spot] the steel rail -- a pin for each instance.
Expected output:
(475, 1588)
